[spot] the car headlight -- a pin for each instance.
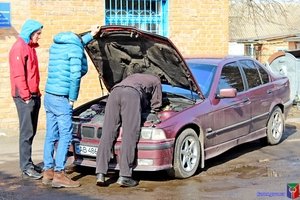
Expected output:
(152, 134)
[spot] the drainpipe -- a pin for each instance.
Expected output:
(252, 50)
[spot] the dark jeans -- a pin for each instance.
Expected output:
(28, 119)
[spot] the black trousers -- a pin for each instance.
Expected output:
(28, 120)
(123, 108)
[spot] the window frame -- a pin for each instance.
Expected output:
(128, 13)
(245, 75)
(241, 76)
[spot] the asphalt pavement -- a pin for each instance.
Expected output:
(250, 171)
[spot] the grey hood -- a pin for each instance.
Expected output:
(118, 51)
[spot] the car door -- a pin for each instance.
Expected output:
(260, 91)
(231, 116)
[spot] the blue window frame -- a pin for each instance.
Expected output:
(148, 15)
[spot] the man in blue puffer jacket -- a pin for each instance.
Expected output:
(67, 64)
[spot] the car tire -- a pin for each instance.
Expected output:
(275, 126)
(187, 154)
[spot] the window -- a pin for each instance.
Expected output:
(204, 75)
(148, 15)
(249, 50)
(263, 74)
(251, 72)
(297, 45)
(231, 77)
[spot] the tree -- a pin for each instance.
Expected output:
(258, 13)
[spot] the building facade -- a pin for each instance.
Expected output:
(199, 28)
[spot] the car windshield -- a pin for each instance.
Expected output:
(204, 75)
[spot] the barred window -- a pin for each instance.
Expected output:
(148, 15)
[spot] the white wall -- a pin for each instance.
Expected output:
(236, 49)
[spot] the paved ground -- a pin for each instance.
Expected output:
(250, 171)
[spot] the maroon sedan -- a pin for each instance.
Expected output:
(209, 105)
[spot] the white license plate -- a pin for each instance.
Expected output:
(86, 150)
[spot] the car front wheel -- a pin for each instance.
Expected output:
(186, 154)
(275, 126)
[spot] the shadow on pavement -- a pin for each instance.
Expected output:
(245, 148)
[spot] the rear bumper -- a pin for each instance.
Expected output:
(151, 156)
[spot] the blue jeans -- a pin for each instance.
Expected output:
(59, 129)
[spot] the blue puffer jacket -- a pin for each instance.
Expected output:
(67, 64)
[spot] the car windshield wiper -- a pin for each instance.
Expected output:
(175, 95)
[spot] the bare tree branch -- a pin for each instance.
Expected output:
(258, 12)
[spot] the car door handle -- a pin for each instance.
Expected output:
(269, 91)
(245, 100)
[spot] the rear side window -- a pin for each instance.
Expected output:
(263, 74)
(231, 77)
(251, 72)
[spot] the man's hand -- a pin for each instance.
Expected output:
(71, 103)
(95, 29)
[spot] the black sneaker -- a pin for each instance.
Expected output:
(100, 180)
(127, 182)
(31, 173)
(38, 168)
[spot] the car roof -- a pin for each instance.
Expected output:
(215, 61)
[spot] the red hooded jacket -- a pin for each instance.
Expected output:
(24, 69)
(24, 72)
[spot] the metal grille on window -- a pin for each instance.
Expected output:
(148, 15)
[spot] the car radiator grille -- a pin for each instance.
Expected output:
(91, 132)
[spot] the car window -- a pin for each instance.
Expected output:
(180, 91)
(204, 75)
(251, 72)
(263, 74)
(231, 77)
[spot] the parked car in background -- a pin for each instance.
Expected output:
(209, 105)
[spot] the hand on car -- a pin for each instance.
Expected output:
(94, 29)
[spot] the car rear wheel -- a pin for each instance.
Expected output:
(186, 155)
(275, 126)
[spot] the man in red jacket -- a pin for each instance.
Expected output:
(25, 79)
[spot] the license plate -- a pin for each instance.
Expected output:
(86, 150)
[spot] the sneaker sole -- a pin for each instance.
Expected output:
(25, 176)
(47, 181)
(58, 185)
(125, 185)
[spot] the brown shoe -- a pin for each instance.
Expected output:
(61, 180)
(48, 176)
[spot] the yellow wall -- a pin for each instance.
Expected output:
(197, 28)
(271, 47)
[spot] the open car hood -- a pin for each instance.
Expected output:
(118, 51)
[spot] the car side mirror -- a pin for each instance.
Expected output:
(226, 93)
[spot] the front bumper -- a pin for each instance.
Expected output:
(151, 155)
